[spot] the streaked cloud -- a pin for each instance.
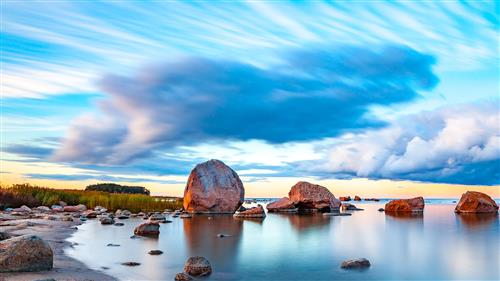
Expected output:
(313, 94)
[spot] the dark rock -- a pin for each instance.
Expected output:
(350, 207)
(381, 209)
(336, 214)
(155, 252)
(148, 229)
(359, 263)
(131, 263)
(4, 236)
(119, 224)
(113, 245)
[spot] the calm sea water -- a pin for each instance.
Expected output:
(439, 245)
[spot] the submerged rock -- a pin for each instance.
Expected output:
(476, 202)
(416, 204)
(197, 266)
(255, 212)
(131, 263)
(148, 229)
(358, 263)
(312, 196)
(182, 277)
(283, 205)
(213, 187)
(25, 253)
(155, 252)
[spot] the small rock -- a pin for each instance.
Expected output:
(131, 263)
(222, 235)
(166, 221)
(148, 229)
(357, 198)
(119, 224)
(185, 216)
(4, 235)
(104, 267)
(155, 252)
(157, 217)
(381, 209)
(349, 207)
(197, 266)
(359, 263)
(43, 209)
(113, 245)
(107, 220)
(182, 277)
(255, 212)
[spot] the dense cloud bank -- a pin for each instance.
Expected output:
(450, 145)
(308, 95)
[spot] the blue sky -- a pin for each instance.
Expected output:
(141, 91)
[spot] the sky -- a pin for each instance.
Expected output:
(371, 98)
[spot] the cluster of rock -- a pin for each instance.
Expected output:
(470, 202)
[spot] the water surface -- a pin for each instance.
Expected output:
(438, 245)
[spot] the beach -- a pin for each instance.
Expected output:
(55, 232)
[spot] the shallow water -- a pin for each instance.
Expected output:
(436, 245)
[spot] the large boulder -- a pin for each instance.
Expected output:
(197, 266)
(406, 205)
(25, 253)
(255, 212)
(282, 205)
(308, 196)
(148, 229)
(476, 202)
(213, 187)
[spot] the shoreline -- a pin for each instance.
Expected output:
(54, 232)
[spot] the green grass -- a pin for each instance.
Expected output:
(32, 196)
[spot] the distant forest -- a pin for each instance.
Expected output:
(116, 188)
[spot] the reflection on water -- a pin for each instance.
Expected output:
(436, 245)
(477, 221)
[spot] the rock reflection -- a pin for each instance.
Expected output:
(302, 222)
(201, 238)
(477, 220)
(405, 216)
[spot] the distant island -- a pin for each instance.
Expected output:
(117, 188)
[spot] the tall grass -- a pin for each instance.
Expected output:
(26, 194)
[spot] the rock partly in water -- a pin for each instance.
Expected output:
(213, 187)
(350, 207)
(381, 209)
(307, 196)
(131, 263)
(283, 205)
(182, 277)
(357, 263)
(255, 212)
(113, 245)
(476, 202)
(406, 205)
(197, 266)
(157, 217)
(148, 229)
(222, 235)
(107, 220)
(357, 198)
(345, 198)
(119, 224)
(25, 253)
(185, 216)
(155, 252)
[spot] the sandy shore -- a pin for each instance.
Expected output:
(55, 233)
